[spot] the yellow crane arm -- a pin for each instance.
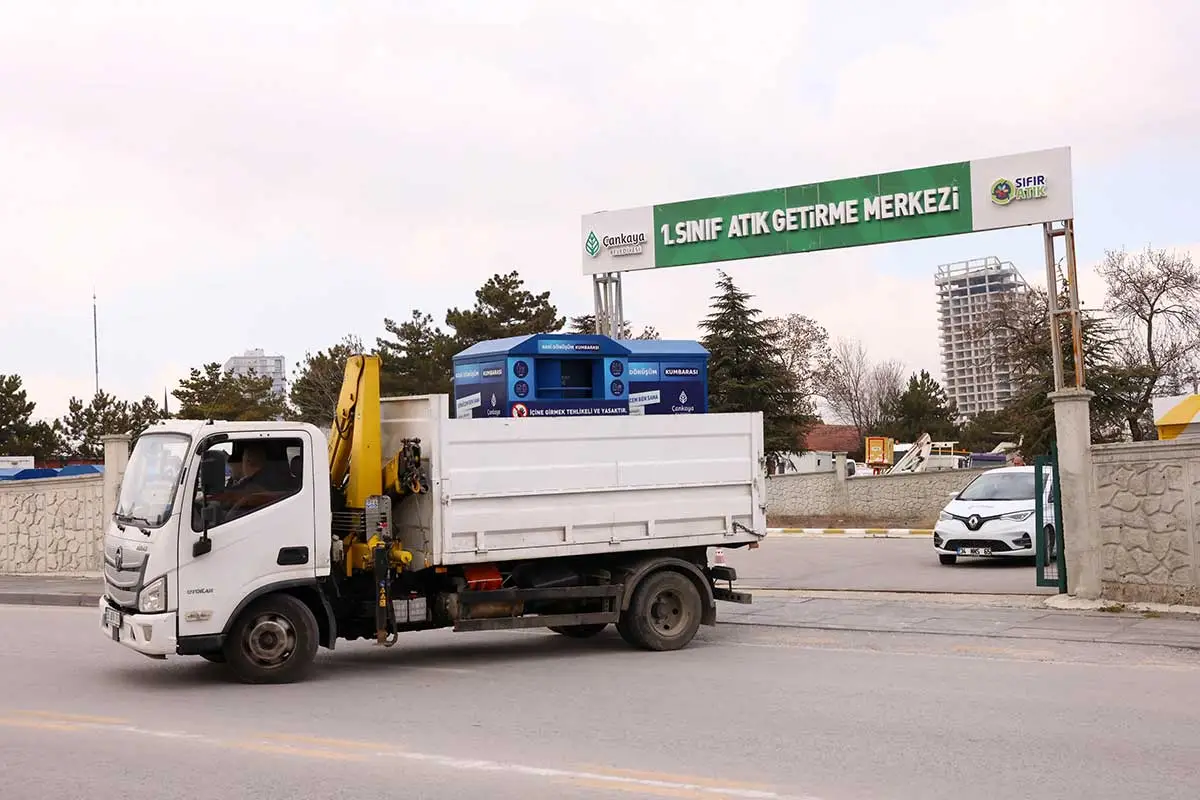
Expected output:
(355, 437)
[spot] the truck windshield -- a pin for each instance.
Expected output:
(151, 477)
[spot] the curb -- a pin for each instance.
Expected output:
(48, 599)
(856, 533)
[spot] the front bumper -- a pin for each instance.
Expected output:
(149, 634)
(999, 537)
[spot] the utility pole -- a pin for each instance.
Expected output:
(96, 342)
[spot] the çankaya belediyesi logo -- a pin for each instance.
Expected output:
(621, 244)
(1027, 187)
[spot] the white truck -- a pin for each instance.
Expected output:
(255, 543)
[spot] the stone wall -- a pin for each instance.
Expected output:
(51, 525)
(1149, 520)
(901, 500)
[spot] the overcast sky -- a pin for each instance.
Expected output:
(275, 175)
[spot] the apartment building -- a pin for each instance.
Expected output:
(974, 375)
(262, 365)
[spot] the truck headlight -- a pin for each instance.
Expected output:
(153, 599)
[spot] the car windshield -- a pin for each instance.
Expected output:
(148, 487)
(1000, 486)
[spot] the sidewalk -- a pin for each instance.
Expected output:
(50, 590)
(993, 616)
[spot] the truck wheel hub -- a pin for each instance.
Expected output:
(270, 639)
(667, 612)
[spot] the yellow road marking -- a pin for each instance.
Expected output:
(602, 777)
(664, 777)
(351, 743)
(37, 724)
(285, 750)
(661, 791)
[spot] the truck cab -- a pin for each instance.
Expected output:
(210, 516)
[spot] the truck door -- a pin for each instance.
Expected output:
(264, 532)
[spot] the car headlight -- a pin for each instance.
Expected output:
(945, 517)
(1018, 516)
(153, 599)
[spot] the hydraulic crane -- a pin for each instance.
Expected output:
(367, 485)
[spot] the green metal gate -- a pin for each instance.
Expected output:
(1051, 559)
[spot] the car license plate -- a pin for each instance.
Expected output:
(112, 619)
(974, 551)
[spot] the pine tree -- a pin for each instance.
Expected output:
(745, 374)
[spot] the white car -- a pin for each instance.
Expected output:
(994, 516)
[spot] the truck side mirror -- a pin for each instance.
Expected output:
(212, 475)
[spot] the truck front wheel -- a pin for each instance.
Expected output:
(664, 613)
(273, 641)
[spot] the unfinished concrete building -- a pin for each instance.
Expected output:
(974, 373)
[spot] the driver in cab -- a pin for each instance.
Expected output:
(257, 485)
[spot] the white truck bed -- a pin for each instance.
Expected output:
(504, 489)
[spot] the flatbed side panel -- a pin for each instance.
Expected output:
(418, 518)
(528, 488)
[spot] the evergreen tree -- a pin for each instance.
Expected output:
(85, 426)
(319, 378)
(418, 359)
(19, 434)
(921, 408)
(586, 323)
(503, 308)
(745, 374)
(213, 394)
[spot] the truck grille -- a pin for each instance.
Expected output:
(124, 573)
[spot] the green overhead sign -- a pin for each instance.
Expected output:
(941, 200)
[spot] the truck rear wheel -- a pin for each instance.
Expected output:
(273, 641)
(664, 613)
(580, 631)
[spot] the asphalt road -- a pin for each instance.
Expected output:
(746, 712)
(877, 565)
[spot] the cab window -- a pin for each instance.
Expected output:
(259, 472)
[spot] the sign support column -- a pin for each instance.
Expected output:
(1072, 424)
(609, 307)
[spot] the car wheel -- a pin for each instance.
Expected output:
(1051, 541)
(947, 559)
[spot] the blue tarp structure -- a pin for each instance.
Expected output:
(80, 469)
(38, 472)
(30, 473)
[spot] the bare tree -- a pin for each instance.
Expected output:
(859, 392)
(802, 348)
(1154, 297)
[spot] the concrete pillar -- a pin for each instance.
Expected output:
(116, 457)
(839, 465)
(1081, 522)
(841, 493)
